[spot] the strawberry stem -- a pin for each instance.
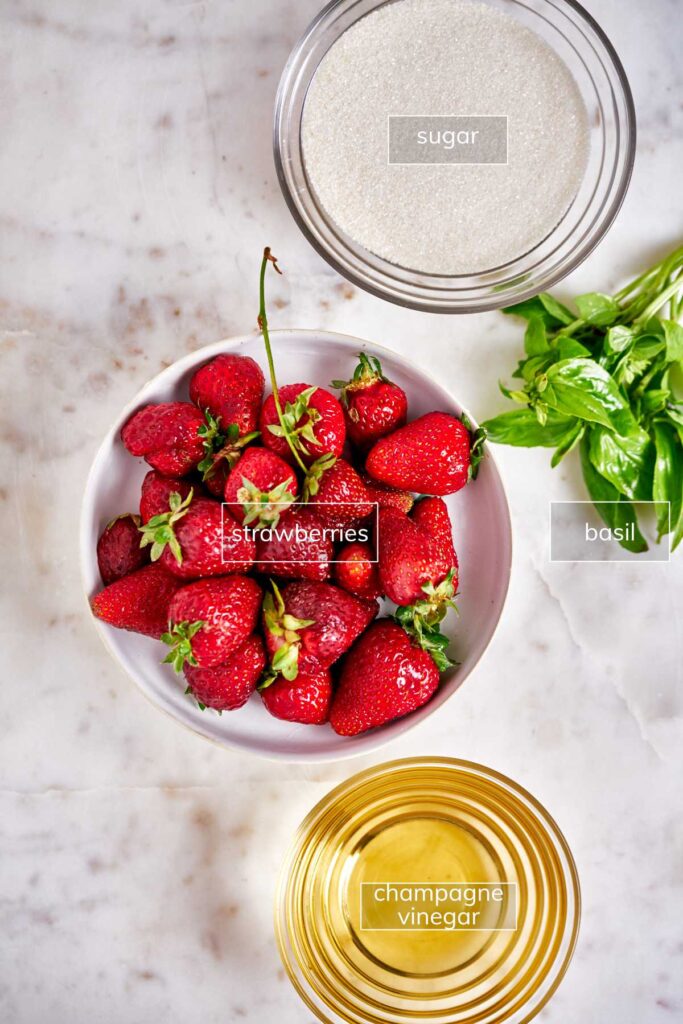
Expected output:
(179, 639)
(422, 620)
(264, 508)
(368, 371)
(263, 327)
(159, 530)
(314, 475)
(213, 439)
(477, 450)
(279, 623)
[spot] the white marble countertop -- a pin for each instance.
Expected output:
(137, 860)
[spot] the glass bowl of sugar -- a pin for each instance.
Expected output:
(454, 156)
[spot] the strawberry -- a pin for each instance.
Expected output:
(336, 491)
(432, 515)
(172, 437)
(313, 418)
(156, 492)
(430, 455)
(418, 572)
(409, 557)
(138, 602)
(298, 548)
(210, 619)
(373, 405)
(216, 476)
(385, 676)
(387, 497)
(231, 388)
(260, 487)
(306, 700)
(310, 619)
(355, 569)
(198, 537)
(228, 686)
(118, 549)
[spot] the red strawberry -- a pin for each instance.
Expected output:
(198, 537)
(336, 491)
(306, 699)
(355, 569)
(231, 388)
(432, 515)
(216, 477)
(168, 436)
(385, 676)
(138, 602)
(373, 405)
(431, 455)
(156, 492)
(210, 619)
(298, 548)
(387, 497)
(118, 549)
(228, 686)
(418, 571)
(260, 487)
(409, 557)
(313, 417)
(312, 620)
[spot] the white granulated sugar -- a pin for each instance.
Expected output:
(444, 57)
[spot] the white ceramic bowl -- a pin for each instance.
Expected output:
(481, 525)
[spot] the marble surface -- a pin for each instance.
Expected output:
(137, 860)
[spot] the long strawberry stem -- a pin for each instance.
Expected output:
(263, 327)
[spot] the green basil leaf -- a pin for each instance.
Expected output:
(598, 309)
(618, 338)
(647, 346)
(569, 441)
(675, 414)
(518, 372)
(583, 388)
(614, 510)
(627, 462)
(673, 336)
(515, 396)
(535, 338)
(668, 478)
(535, 364)
(520, 427)
(570, 348)
(629, 369)
(654, 401)
(551, 313)
(650, 327)
(567, 348)
(677, 534)
(555, 309)
(527, 309)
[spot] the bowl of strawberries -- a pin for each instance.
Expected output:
(301, 570)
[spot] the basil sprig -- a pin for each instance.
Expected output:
(608, 379)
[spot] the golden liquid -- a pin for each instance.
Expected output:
(421, 850)
(415, 822)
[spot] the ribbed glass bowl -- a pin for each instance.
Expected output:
(347, 974)
(589, 55)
